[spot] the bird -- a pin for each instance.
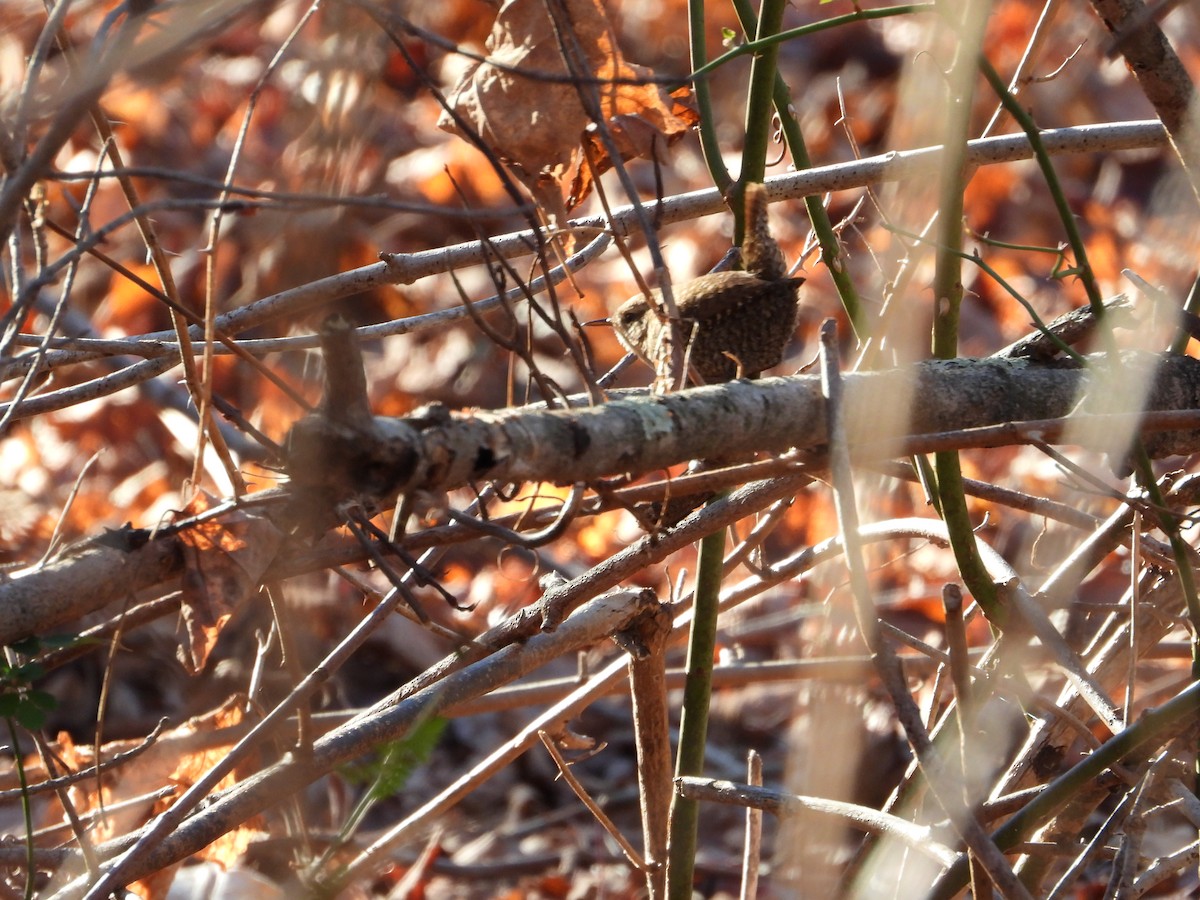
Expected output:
(734, 323)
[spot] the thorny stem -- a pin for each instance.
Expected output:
(947, 292)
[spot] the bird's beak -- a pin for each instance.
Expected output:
(594, 322)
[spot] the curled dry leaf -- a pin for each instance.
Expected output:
(223, 562)
(645, 134)
(524, 104)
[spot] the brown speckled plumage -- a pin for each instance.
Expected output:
(733, 323)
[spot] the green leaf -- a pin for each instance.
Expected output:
(30, 717)
(403, 757)
(27, 646)
(29, 672)
(43, 700)
(396, 762)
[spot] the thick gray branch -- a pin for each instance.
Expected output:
(443, 450)
(373, 459)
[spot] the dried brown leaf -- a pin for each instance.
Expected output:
(523, 104)
(643, 134)
(223, 561)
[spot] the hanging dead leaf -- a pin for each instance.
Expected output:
(524, 101)
(644, 134)
(223, 561)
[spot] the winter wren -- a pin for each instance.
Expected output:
(732, 323)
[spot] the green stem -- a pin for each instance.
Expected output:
(863, 15)
(1074, 238)
(26, 808)
(1082, 775)
(1145, 474)
(1180, 550)
(693, 722)
(709, 145)
(948, 292)
(763, 72)
(974, 258)
(827, 239)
